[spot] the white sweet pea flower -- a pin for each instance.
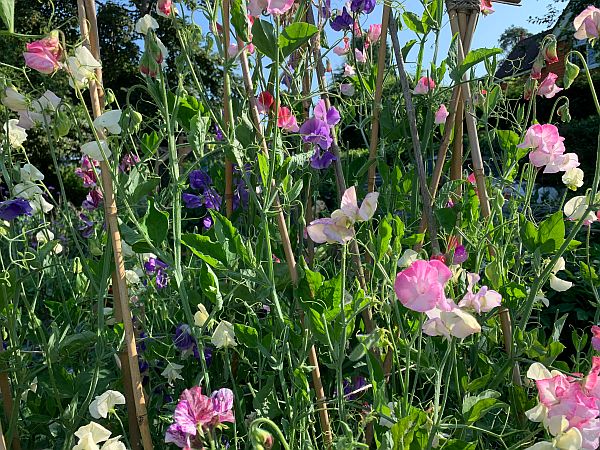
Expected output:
(92, 149)
(16, 134)
(573, 178)
(82, 66)
(201, 315)
(98, 432)
(172, 372)
(109, 120)
(30, 173)
(224, 335)
(45, 236)
(27, 190)
(86, 442)
(408, 257)
(14, 100)
(39, 203)
(146, 23)
(556, 283)
(132, 277)
(105, 403)
(114, 444)
(460, 323)
(576, 207)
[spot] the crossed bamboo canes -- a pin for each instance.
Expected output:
(136, 403)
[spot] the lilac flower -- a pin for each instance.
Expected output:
(363, 6)
(93, 200)
(153, 264)
(331, 116)
(343, 21)
(460, 255)
(316, 131)
(222, 405)
(183, 338)
(218, 134)
(86, 171)
(87, 229)
(207, 222)
(191, 201)
(162, 279)
(11, 209)
(212, 199)
(199, 180)
(128, 161)
(321, 160)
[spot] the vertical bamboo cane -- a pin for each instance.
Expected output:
(131, 380)
(287, 247)
(2, 442)
(7, 404)
(226, 105)
(385, 18)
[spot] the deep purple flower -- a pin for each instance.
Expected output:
(162, 279)
(87, 229)
(154, 264)
(362, 6)
(93, 200)
(218, 134)
(208, 354)
(316, 132)
(212, 199)
(460, 255)
(322, 160)
(141, 343)
(343, 21)
(128, 161)
(207, 222)
(199, 180)
(191, 201)
(11, 209)
(183, 338)
(326, 9)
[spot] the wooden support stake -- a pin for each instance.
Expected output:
(381, 56)
(131, 380)
(287, 246)
(226, 105)
(7, 405)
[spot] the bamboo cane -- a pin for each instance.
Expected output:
(287, 246)
(226, 105)
(2, 441)
(131, 380)
(385, 18)
(7, 404)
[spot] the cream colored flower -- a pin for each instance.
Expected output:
(97, 432)
(224, 335)
(201, 315)
(82, 66)
(105, 403)
(30, 173)
(573, 178)
(172, 372)
(146, 23)
(408, 257)
(109, 120)
(16, 134)
(556, 283)
(576, 207)
(14, 100)
(92, 149)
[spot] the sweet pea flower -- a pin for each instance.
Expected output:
(145, 24)
(548, 149)
(321, 159)
(573, 178)
(224, 335)
(316, 132)
(44, 55)
(287, 120)
(550, 54)
(103, 404)
(329, 115)
(14, 100)
(485, 7)
(420, 287)
(81, 67)
(11, 209)
(201, 316)
(596, 337)
(164, 8)
(424, 85)
(483, 300)
(274, 7)
(172, 372)
(452, 323)
(349, 70)
(347, 89)
(16, 134)
(374, 32)
(341, 51)
(96, 150)
(109, 120)
(360, 56)
(548, 87)
(556, 283)
(264, 102)
(575, 209)
(587, 23)
(441, 115)
(342, 21)
(97, 432)
(362, 6)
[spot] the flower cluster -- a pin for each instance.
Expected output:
(155, 266)
(93, 434)
(568, 407)
(318, 131)
(30, 190)
(197, 413)
(340, 226)
(421, 288)
(548, 149)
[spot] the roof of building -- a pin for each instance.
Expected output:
(521, 57)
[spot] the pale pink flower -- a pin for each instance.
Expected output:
(232, 50)
(548, 149)
(43, 55)
(587, 24)
(374, 32)
(486, 7)
(424, 85)
(275, 7)
(349, 70)
(256, 7)
(548, 87)
(287, 120)
(347, 89)
(483, 300)
(164, 8)
(441, 115)
(420, 287)
(341, 51)
(360, 56)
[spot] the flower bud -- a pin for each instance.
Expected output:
(530, 87)
(564, 113)
(538, 65)
(571, 72)
(62, 123)
(550, 54)
(261, 439)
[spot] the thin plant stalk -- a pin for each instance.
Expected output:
(226, 106)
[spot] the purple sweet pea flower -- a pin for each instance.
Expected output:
(321, 160)
(316, 131)
(331, 116)
(11, 209)
(93, 200)
(191, 201)
(212, 199)
(343, 21)
(154, 264)
(362, 6)
(87, 229)
(460, 255)
(199, 180)
(128, 161)
(183, 338)
(218, 134)
(326, 9)
(207, 222)
(162, 279)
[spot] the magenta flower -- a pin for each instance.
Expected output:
(43, 55)
(420, 287)
(424, 85)
(548, 149)
(596, 337)
(287, 120)
(86, 171)
(195, 411)
(93, 199)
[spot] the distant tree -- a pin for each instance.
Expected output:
(554, 9)
(511, 37)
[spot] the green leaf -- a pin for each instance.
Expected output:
(473, 58)
(551, 233)
(263, 38)
(413, 23)
(150, 143)
(230, 239)
(408, 47)
(143, 189)
(589, 274)
(263, 166)
(189, 107)
(198, 130)
(157, 224)
(457, 444)
(238, 19)
(7, 13)
(210, 286)
(529, 234)
(475, 407)
(246, 335)
(210, 252)
(384, 237)
(571, 73)
(294, 36)
(409, 428)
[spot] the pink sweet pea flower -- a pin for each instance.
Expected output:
(278, 7)
(357, 30)
(483, 300)
(441, 115)
(596, 337)
(471, 179)
(264, 102)
(232, 50)
(341, 51)
(164, 8)
(43, 55)
(287, 120)
(424, 85)
(486, 7)
(256, 7)
(360, 56)
(587, 24)
(347, 89)
(374, 32)
(420, 287)
(349, 70)
(548, 87)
